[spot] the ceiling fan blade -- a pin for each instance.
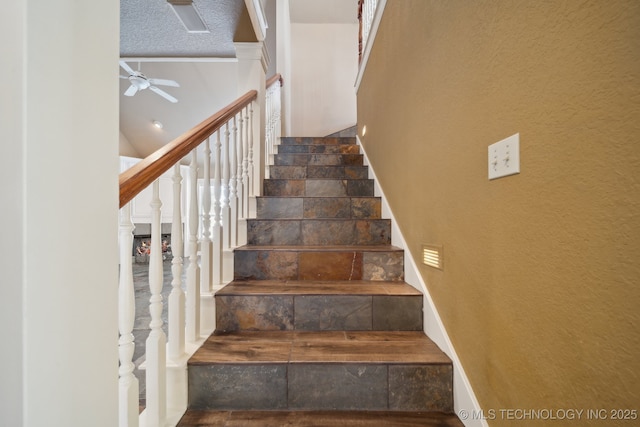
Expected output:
(124, 77)
(163, 94)
(164, 82)
(131, 91)
(126, 67)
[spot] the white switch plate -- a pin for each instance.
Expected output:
(504, 157)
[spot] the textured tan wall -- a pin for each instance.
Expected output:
(541, 288)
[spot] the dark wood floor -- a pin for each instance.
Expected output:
(316, 419)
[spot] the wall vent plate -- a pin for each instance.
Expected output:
(504, 157)
(432, 255)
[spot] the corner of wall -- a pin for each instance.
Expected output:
(465, 403)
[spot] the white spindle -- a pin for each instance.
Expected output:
(268, 102)
(176, 298)
(205, 243)
(193, 271)
(127, 383)
(239, 161)
(245, 165)
(233, 187)
(157, 342)
(226, 240)
(252, 189)
(216, 266)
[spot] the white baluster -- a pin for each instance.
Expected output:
(245, 165)
(176, 298)
(226, 240)
(156, 344)
(239, 159)
(216, 266)
(278, 115)
(233, 188)
(205, 243)
(252, 189)
(127, 383)
(267, 130)
(193, 271)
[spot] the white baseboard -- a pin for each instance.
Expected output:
(465, 403)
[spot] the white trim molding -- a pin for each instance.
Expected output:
(464, 398)
(258, 18)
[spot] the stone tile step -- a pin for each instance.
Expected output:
(341, 231)
(318, 187)
(273, 207)
(374, 262)
(331, 172)
(293, 159)
(195, 418)
(318, 306)
(336, 370)
(308, 140)
(319, 148)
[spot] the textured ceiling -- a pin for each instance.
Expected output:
(150, 28)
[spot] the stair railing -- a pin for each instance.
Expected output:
(218, 204)
(273, 122)
(366, 12)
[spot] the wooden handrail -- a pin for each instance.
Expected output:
(273, 79)
(141, 175)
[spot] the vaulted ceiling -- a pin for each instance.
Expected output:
(153, 40)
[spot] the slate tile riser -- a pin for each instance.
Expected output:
(255, 263)
(318, 187)
(335, 386)
(311, 140)
(317, 172)
(288, 159)
(319, 312)
(318, 207)
(315, 232)
(319, 149)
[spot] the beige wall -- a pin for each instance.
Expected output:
(540, 293)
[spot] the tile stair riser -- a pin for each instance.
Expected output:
(319, 149)
(317, 140)
(318, 172)
(318, 187)
(314, 232)
(286, 312)
(325, 386)
(290, 264)
(318, 207)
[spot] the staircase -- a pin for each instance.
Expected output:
(318, 328)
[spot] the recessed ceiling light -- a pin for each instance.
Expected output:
(158, 124)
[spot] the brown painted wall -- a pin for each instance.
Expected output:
(540, 293)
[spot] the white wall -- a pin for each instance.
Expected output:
(324, 64)
(125, 147)
(58, 299)
(11, 218)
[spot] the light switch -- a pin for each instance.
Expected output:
(504, 157)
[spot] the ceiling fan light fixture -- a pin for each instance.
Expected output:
(188, 15)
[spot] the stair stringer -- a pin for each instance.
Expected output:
(464, 399)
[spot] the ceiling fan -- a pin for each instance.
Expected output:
(140, 82)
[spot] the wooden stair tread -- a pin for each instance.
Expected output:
(334, 287)
(365, 347)
(194, 418)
